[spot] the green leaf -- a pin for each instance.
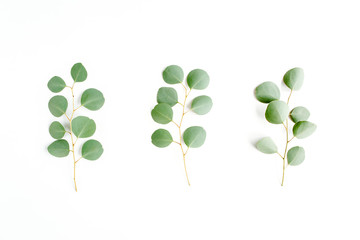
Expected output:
(277, 112)
(56, 130)
(161, 138)
(56, 84)
(296, 156)
(303, 129)
(162, 113)
(266, 145)
(167, 95)
(83, 127)
(173, 74)
(58, 105)
(267, 92)
(294, 78)
(198, 79)
(92, 99)
(78, 72)
(59, 148)
(194, 137)
(299, 114)
(92, 150)
(201, 105)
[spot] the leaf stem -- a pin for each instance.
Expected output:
(71, 133)
(180, 135)
(287, 141)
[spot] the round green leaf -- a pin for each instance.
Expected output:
(198, 79)
(92, 150)
(277, 112)
(201, 105)
(58, 105)
(161, 138)
(162, 113)
(173, 74)
(303, 129)
(83, 127)
(266, 145)
(56, 130)
(92, 99)
(294, 78)
(59, 148)
(267, 92)
(78, 72)
(167, 95)
(296, 156)
(56, 84)
(194, 137)
(299, 114)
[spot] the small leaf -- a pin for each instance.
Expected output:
(58, 105)
(92, 150)
(78, 72)
(277, 112)
(173, 74)
(83, 127)
(92, 99)
(267, 92)
(161, 138)
(167, 95)
(201, 105)
(57, 130)
(59, 148)
(296, 156)
(266, 145)
(56, 84)
(303, 129)
(194, 137)
(294, 78)
(198, 79)
(162, 113)
(299, 114)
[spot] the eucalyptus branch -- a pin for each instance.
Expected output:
(81, 127)
(167, 97)
(277, 112)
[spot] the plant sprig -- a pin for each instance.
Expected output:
(167, 97)
(277, 112)
(81, 126)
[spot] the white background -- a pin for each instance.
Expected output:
(138, 191)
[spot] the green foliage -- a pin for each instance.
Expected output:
(296, 156)
(78, 73)
(167, 95)
(294, 78)
(303, 129)
(167, 99)
(58, 105)
(56, 84)
(92, 150)
(83, 127)
(299, 114)
(161, 138)
(194, 137)
(201, 105)
(92, 99)
(198, 79)
(59, 148)
(173, 74)
(267, 92)
(79, 127)
(266, 145)
(277, 112)
(162, 113)
(57, 130)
